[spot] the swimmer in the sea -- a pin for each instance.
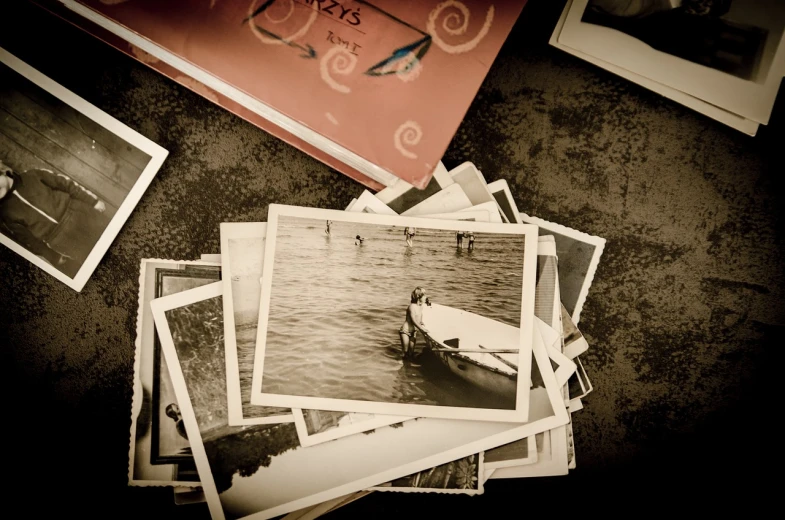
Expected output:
(414, 319)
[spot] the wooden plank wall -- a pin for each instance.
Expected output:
(37, 130)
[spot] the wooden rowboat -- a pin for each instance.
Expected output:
(458, 339)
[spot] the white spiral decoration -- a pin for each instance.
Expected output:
(456, 24)
(280, 20)
(337, 61)
(408, 134)
(284, 40)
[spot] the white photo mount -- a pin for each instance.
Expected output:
(524, 232)
(131, 197)
(387, 454)
(248, 236)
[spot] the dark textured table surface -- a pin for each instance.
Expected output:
(684, 319)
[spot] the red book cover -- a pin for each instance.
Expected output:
(376, 90)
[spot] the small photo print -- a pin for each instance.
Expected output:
(726, 35)
(169, 444)
(70, 175)
(317, 426)
(460, 476)
(242, 251)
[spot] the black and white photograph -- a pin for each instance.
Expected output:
(153, 433)
(369, 203)
(722, 34)
(501, 192)
(317, 426)
(391, 315)
(261, 471)
(242, 251)
(463, 476)
(574, 342)
(402, 196)
(552, 458)
(169, 443)
(579, 255)
(736, 121)
(728, 53)
(518, 453)
(70, 175)
(473, 184)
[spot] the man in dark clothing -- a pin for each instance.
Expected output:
(50, 215)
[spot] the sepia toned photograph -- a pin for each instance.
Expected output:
(155, 456)
(242, 251)
(501, 192)
(579, 255)
(727, 35)
(261, 471)
(169, 443)
(317, 426)
(391, 315)
(462, 476)
(70, 175)
(724, 53)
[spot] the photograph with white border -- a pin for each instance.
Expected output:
(402, 196)
(518, 453)
(552, 458)
(145, 467)
(474, 185)
(368, 203)
(330, 334)
(242, 252)
(458, 477)
(579, 255)
(70, 174)
(501, 192)
(259, 472)
(574, 342)
(452, 198)
(736, 121)
(317, 426)
(750, 98)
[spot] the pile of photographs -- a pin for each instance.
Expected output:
(420, 341)
(722, 58)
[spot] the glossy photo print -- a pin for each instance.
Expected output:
(70, 174)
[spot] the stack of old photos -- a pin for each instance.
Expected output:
(420, 341)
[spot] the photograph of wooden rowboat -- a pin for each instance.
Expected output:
(479, 350)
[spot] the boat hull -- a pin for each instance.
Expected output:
(483, 377)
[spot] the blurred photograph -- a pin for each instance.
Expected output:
(727, 35)
(70, 175)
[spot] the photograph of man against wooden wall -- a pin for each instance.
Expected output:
(63, 176)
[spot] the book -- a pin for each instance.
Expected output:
(374, 90)
(723, 58)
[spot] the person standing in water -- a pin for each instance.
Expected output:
(471, 240)
(414, 319)
(358, 240)
(327, 229)
(459, 239)
(409, 233)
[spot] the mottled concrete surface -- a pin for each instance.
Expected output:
(684, 318)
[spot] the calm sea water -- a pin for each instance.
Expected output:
(336, 308)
